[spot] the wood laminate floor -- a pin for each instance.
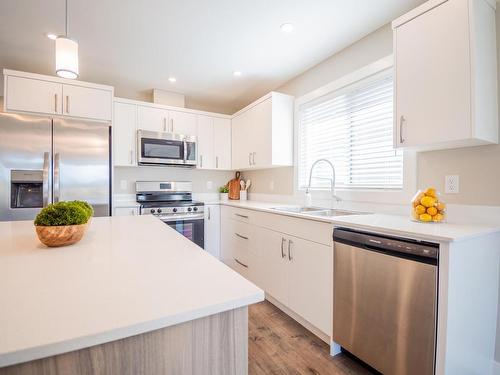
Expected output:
(279, 345)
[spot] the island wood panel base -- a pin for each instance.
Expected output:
(214, 345)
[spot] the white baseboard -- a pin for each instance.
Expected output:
(495, 368)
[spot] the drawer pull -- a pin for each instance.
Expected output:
(243, 216)
(241, 236)
(290, 256)
(282, 246)
(241, 264)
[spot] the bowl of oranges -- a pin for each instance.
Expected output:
(427, 207)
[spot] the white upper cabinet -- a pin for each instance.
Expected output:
(124, 134)
(262, 134)
(153, 119)
(182, 122)
(28, 92)
(206, 158)
(222, 143)
(87, 102)
(446, 75)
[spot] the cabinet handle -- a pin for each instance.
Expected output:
(131, 157)
(249, 158)
(67, 103)
(282, 247)
(243, 216)
(132, 212)
(290, 257)
(201, 161)
(401, 122)
(216, 162)
(165, 124)
(172, 125)
(241, 236)
(55, 103)
(253, 158)
(241, 264)
(208, 213)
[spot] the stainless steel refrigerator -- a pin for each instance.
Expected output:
(45, 160)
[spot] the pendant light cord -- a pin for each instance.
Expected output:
(66, 18)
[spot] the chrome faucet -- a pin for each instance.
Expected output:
(332, 180)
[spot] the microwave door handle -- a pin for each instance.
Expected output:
(45, 179)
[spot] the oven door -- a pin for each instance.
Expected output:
(160, 148)
(191, 226)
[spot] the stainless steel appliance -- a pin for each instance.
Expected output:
(159, 148)
(45, 160)
(171, 202)
(385, 301)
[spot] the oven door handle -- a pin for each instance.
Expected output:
(171, 218)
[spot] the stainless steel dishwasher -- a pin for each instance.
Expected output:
(385, 301)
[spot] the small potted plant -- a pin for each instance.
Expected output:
(224, 193)
(63, 223)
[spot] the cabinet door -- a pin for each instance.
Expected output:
(273, 264)
(433, 77)
(32, 95)
(222, 143)
(241, 154)
(310, 281)
(87, 102)
(260, 138)
(153, 119)
(182, 123)
(206, 159)
(126, 211)
(124, 134)
(212, 230)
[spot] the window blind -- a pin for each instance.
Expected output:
(352, 128)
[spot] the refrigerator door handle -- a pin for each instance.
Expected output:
(57, 177)
(45, 179)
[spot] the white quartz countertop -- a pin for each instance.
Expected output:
(396, 225)
(127, 276)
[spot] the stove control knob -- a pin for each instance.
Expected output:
(195, 208)
(175, 210)
(159, 211)
(152, 211)
(189, 209)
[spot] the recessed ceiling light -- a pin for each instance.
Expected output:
(51, 36)
(287, 27)
(172, 79)
(237, 73)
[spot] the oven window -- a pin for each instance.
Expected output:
(192, 229)
(152, 148)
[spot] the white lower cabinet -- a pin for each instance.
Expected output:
(297, 272)
(212, 229)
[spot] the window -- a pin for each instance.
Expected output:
(353, 128)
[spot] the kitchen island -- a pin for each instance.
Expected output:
(132, 297)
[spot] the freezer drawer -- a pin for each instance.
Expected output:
(384, 309)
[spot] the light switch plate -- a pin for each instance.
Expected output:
(452, 184)
(271, 185)
(210, 185)
(123, 184)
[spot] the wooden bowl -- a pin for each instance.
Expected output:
(54, 236)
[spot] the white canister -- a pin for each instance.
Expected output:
(243, 195)
(224, 197)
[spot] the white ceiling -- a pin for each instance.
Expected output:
(136, 45)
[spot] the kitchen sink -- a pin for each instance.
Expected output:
(317, 211)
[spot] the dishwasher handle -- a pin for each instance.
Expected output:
(403, 247)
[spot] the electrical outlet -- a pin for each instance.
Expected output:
(210, 185)
(271, 185)
(123, 184)
(452, 184)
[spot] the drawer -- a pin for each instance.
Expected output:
(240, 234)
(243, 215)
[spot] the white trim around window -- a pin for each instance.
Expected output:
(399, 196)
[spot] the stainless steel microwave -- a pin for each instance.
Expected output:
(159, 148)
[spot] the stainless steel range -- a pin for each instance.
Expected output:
(171, 202)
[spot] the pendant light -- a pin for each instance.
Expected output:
(66, 54)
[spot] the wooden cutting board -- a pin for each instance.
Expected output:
(234, 187)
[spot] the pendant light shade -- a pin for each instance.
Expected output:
(66, 57)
